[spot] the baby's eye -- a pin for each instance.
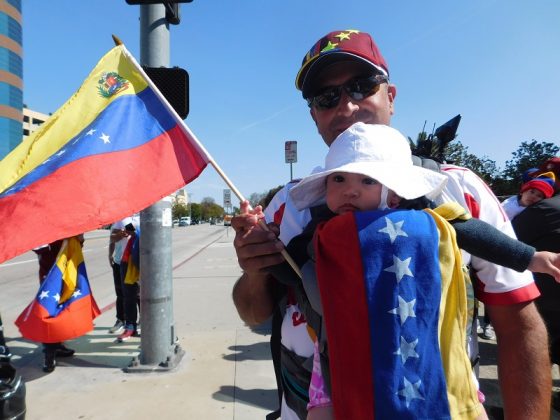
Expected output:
(338, 178)
(370, 181)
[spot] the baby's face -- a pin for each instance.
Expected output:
(350, 192)
(531, 196)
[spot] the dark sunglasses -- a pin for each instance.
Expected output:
(358, 89)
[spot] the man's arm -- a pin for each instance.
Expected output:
(253, 293)
(523, 362)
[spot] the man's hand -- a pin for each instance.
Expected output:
(118, 234)
(256, 247)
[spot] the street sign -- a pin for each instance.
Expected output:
(227, 198)
(290, 149)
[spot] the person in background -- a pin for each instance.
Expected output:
(130, 276)
(532, 191)
(47, 258)
(117, 242)
(345, 79)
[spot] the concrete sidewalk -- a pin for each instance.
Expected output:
(226, 372)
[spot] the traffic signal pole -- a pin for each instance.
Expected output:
(159, 349)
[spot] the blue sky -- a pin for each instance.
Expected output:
(494, 62)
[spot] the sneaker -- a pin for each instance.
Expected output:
(50, 362)
(117, 328)
(63, 351)
(126, 335)
(488, 332)
(479, 329)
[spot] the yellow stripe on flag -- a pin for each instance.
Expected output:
(70, 119)
(68, 261)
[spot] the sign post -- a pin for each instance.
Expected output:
(290, 149)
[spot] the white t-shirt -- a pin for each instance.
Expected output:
(121, 243)
(512, 207)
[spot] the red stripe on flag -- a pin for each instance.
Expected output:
(35, 324)
(346, 316)
(96, 191)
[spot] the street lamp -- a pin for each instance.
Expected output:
(190, 205)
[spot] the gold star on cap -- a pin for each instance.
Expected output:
(343, 35)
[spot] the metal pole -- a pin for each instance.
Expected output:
(158, 348)
(291, 173)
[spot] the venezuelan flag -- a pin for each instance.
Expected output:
(130, 262)
(114, 148)
(395, 312)
(64, 307)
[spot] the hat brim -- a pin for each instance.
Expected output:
(407, 182)
(308, 73)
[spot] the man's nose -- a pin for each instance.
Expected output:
(346, 106)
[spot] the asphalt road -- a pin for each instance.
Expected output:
(19, 276)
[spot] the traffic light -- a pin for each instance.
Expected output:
(173, 83)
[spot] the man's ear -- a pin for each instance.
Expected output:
(391, 94)
(312, 112)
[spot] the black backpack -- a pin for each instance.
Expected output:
(12, 386)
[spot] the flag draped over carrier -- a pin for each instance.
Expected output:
(394, 304)
(114, 148)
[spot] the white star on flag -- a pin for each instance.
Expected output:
(56, 297)
(61, 153)
(404, 310)
(105, 138)
(393, 229)
(407, 350)
(44, 294)
(90, 132)
(410, 391)
(76, 293)
(400, 268)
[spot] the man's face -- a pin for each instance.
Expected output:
(375, 109)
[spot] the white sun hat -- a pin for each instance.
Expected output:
(377, 151)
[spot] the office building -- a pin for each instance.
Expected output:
(11, 76)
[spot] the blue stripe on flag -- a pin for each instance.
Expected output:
(403, 287)
(51, 290)
(129, 121)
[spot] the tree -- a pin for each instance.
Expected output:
(459, 155)
(528, 155)
(265, 200)
(179, 210)
(255, 198)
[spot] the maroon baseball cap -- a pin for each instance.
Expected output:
(346, 45)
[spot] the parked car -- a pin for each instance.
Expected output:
(185, 221)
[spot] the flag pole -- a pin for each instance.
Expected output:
(201, 148)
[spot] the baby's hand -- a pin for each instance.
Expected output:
(546, 262)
